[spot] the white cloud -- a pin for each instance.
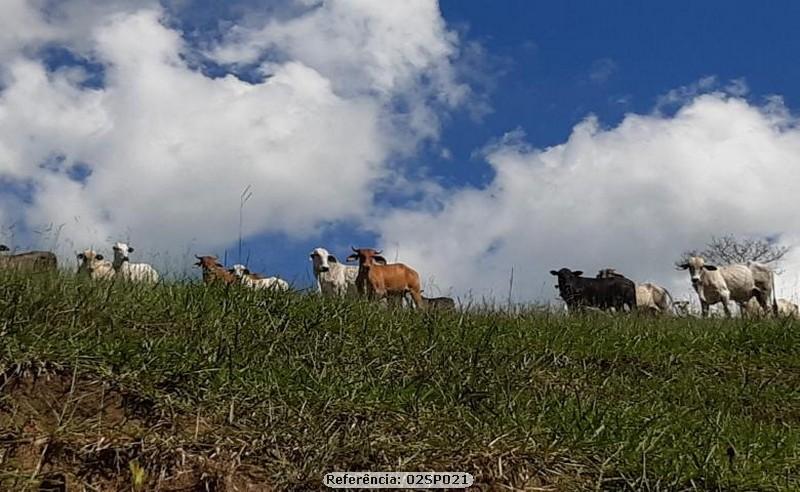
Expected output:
(170, 149)
(631, 197)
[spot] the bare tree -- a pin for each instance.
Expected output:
(730, 249)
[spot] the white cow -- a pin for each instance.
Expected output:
(137, 272)
(333, 278)
(94, 265)
(649, 296)
(255, 281)
(722, 284)
(786, 309)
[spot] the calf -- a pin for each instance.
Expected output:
(333, 278)
(603, 293)
(94, 265)
(649, 297)
(32, 260)
(722, 284)
(137, 272)
(256, 281)
(214, 271)
(377, 279)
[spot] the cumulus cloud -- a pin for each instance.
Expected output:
(161, 151)
(631, 197)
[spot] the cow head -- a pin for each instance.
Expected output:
(696, 266)
(366, 257)
(322, 260)
(208, 262)
(121, 251)
(566, 280)
(88, 260)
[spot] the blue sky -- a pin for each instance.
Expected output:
(432, 140)
(552, 63)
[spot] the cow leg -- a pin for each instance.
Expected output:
(726, 307)
(704, 308)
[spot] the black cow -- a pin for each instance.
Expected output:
(603, 293)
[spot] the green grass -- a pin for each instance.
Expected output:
(292, 387)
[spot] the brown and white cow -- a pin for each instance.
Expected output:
(213, 270)
(377, 279)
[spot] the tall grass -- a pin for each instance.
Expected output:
(301, 386)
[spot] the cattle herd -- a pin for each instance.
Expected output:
(751, 286)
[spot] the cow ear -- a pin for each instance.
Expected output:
(130, 250)
(711, 268)
(332, 259)
(380, 259)
(578, 273)
(246, 271)
(353, 257)
(553, 272)
(685, 266)
(81, 256)
(99, 257)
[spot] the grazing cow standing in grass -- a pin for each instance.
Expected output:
(137, 272)
(650, 297)
(785, 309)
(603, 293)
(32, 260)
(444, 303)
(214, 271)
(722, 284)
(377, 279)
(256, 281)
(94, 265)
(333, 278)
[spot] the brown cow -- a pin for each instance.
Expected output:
(213, 270)
(376, 279)
(32, 260)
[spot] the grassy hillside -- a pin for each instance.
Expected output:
(184, 387)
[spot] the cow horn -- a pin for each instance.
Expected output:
(354, 249)
(380, 251)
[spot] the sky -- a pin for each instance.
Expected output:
(468, 139)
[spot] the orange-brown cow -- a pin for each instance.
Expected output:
(213, 270)
(377, 279)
